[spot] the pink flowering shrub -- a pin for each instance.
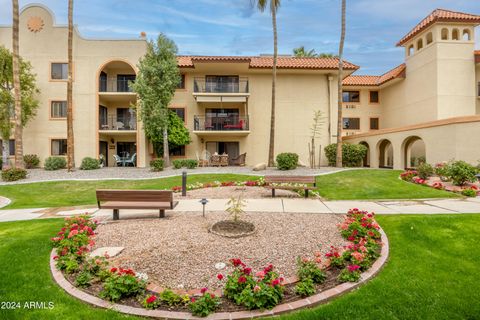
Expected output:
(359, 224)
(350, 274)
(408, 175)
(418, 180)
(438, 186)
(264, 290)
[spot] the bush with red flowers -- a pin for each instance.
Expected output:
(359, 224)
(204, 305)
(408, 175)
(264, 290)
(438, 186)
(151, 302)
(350, 274)
(122, 283)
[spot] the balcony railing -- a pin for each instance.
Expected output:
(120, 123)
(115, 85)
(221, 123)
(234, 85)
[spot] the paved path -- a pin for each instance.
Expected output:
(287, 205)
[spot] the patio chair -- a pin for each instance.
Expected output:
(118, 161)
(239, 160)
(131, 161)
(120, 125)
(215, 160)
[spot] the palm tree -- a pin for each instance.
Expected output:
(70, 140)
(300, 52)
(274, 5)
(16, 89)
(340, 78)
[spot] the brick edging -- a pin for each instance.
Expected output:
(311, 301)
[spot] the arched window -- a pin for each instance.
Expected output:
(444, 34)
(419, 44)
(466, 35)
(455, 34)
(410, 50)
(429, 38)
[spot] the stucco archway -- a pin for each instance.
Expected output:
(413, 152)
(385, 154)
(366, 159)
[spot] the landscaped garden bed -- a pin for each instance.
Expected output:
(288, 259)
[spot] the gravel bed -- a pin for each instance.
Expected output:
(228, 192)
(37, 175)
(180, 252)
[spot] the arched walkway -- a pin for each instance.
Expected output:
(366, 159)
(413, 152)
(385, 154)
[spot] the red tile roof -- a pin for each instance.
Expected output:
(362, 80)
(267, 62)
(477, 56)
(440, 15)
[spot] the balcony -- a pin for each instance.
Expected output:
(115, 85)
(233, 125)
(118, 123)
(220, 89)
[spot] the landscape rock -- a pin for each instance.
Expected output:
(260, 166)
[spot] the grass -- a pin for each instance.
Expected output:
(432, 273)
(373, 185)
(347, 185)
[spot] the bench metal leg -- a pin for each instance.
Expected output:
(306, 193)
(116, 214)
(162, 213)
(273, 193)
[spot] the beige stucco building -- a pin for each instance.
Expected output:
(225, 101)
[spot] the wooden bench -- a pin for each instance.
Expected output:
(135, 199)
(272, 181)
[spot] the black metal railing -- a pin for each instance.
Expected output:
(220, 85)
(119, 122)
(115, 85)
(221, 123)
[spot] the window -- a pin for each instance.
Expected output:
(479, 89)
(429, 38)
(374, 97)
(59, 147)
(123, 82)
(351, 123)
(466, 35)
(11, 147)
(444, 34)
(419, 44)
(181, 85)
(410, 50)
(455, 34)
(351, 96)
(180, 112)
(374, 124)
(59, 71)
(177, 151)
(58, 109)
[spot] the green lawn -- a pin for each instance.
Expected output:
(373, 185)
(347, 185)
(432, 273)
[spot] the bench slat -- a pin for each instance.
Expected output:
(135, 195)
(290, 187)
(138, 205)
(290, 179)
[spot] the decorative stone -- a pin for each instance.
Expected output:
(260, 166)
(220, 266)
(35, 24)
(109, 252)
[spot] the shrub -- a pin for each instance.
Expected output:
(177, 164)
(83, 279)
(190, 163)
(352, 154)
(424, 170)
(287, 161)
(441, 170)
(204, 305)
(470, 192)
(305, 287)
(31, 161)
(55, 163)
(89, 164)
(308, 269)
(171, 298)
(262, 291)
(156, 165)
(408, 175)
(13, 174)
(150, 302)
(350, 274)
(122, 283)
(461, 172)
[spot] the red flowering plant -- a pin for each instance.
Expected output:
(122, 283)
(362, 254)
(408, 175)
(438, 186)
(335, 257)
(418, 180)
(264, 290)
(350, 274)
(150, 302)
(204, 305)
(359, 224)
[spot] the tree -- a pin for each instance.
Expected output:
(300, 52)
(16, 87)
(178, 134)
(274, 5)
(28, 101)
(70, 138)
(157, 79)
(340, 95)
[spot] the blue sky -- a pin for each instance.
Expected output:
(234, 27)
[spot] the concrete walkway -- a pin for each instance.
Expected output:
(286, 205)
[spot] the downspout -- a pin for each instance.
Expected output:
(329, 114)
